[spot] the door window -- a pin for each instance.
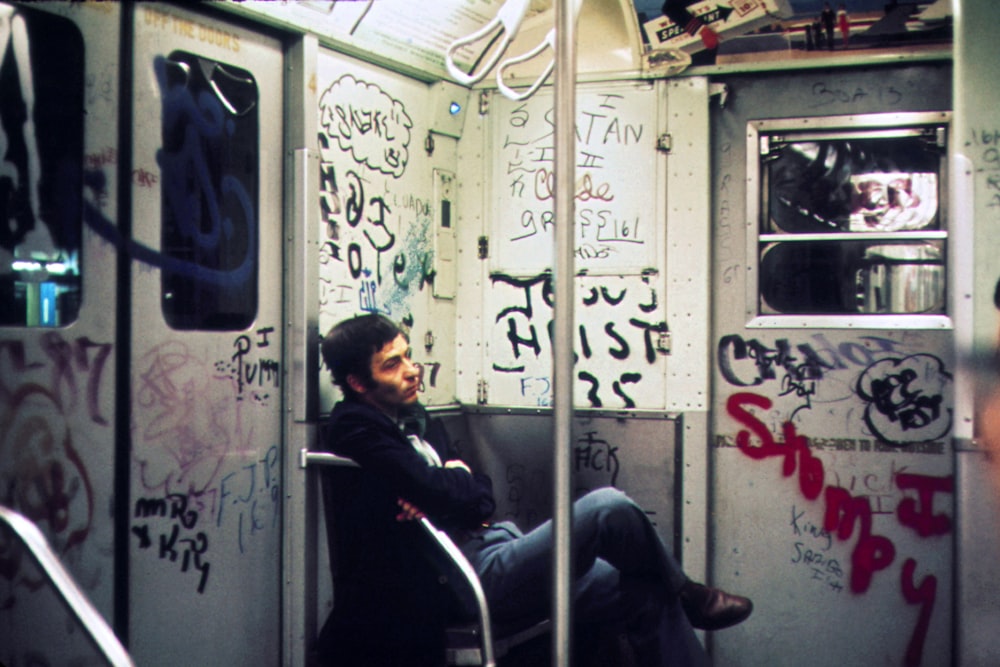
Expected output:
(41, 167)
(208, 163)
(849, 215)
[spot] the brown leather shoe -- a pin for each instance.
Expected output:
(711, 608)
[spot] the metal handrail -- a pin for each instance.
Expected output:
(93, 623)
(472, 579)
(307, 458)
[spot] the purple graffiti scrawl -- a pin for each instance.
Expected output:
(187, 418)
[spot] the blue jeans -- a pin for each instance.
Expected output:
(624, 575)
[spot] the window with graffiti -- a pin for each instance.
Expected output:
(850, 215)
(41, 167)
(209, 169)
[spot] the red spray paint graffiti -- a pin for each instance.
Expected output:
(843, 511)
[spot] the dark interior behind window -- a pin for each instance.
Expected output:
(41, 163)
(860, 185)
(209, 166)
(824, 278)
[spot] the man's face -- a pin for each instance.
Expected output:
(395, 379)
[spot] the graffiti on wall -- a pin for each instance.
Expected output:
(175, 541)
(618, 341)
(368, 123)
(209, 208)
(47, 390)
(208, 204)
(175, 528)
(377, 250)
(612, 214)
(849, 517)
(257, 374)
(526, 485)
(886, 399)
(904, 397)
(606, 452)
(192, 438)
(187, 419)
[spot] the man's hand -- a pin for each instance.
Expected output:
(456, 463)
(409, 511)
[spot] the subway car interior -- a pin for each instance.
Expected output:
(669, 247)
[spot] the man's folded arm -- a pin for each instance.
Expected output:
(451, 494)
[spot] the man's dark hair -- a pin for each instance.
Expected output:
(349, 346)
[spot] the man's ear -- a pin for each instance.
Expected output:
(355, 383)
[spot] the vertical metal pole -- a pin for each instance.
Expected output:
(300, 388)
(123, 329)
(562, 339)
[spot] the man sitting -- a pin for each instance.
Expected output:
(623, 573)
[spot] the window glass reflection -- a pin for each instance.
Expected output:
(851, 277)
(857, 185)
(209, 165)
(41, 161)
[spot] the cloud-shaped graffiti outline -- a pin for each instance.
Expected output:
(906, 399)
(367, 122)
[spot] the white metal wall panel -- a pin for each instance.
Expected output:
(688, 303)
(634, 454)
(57, 409)
(473, 212)
(621, 339)
(616, 187)
(206, 405)
(384, 229)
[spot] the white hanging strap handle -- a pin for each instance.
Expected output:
(508, 20)
(548, 43)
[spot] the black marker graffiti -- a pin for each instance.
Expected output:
(905, 401)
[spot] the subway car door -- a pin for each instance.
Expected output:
(58, 310)
(834, 344)
(206, 365)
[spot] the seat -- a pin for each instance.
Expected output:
(25, 555)
(468, 635)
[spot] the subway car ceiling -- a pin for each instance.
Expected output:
(490, 42)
